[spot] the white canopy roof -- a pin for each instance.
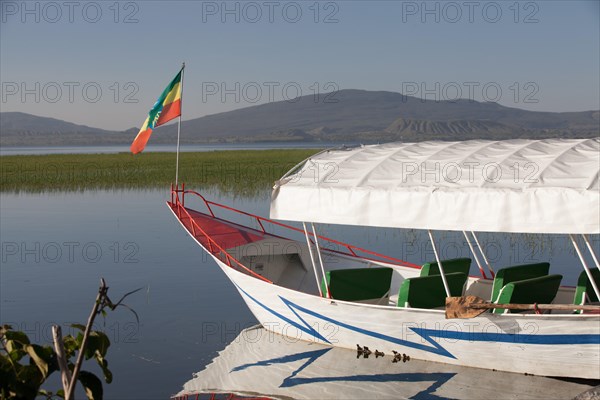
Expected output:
(538, 186)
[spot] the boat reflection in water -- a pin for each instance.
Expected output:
(261, 364)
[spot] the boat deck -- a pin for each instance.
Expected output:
(226, 234)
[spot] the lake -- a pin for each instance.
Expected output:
(169, 148)
(56, 246)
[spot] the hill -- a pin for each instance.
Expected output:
(347, 115)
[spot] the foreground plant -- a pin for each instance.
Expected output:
(24, 366)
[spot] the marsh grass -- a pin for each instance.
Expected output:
(234, 171)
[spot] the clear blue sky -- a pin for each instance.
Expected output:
(541, 55)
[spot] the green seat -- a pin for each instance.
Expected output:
(584, 287)
(541, 290)
(517, 273)
(428, 291)
(452, 265)
(358, 284)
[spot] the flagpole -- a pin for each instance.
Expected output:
(179, 128)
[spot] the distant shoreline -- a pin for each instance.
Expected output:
(235, 171)
(163, 148)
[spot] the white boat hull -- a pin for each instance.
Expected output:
(561, 345)
(530, 344)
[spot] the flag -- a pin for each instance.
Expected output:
(166, 108)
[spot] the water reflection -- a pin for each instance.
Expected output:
(259, 362)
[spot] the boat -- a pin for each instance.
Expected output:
(259, 364)
(325, 291)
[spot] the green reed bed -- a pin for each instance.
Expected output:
(239, 171)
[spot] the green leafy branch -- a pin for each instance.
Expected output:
(22, 380)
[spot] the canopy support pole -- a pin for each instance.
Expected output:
(585, 266)
(474, 254)
(312, 259)
(320, 259)
(591, 249)
(439, 263)
(483, 255)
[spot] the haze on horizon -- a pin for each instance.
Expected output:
(103, 64)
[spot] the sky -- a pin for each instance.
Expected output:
(104, 63)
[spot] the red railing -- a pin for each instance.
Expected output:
(352, 250)
(212, 244)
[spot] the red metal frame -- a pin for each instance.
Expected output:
(352, 250)
(212, 244)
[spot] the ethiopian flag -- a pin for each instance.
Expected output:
(166, 108)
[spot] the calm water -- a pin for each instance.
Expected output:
(7, 151)
(55, 247)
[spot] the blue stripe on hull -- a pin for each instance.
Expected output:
(522, 338)
(427, 334)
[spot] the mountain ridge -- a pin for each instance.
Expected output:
(351, 114)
